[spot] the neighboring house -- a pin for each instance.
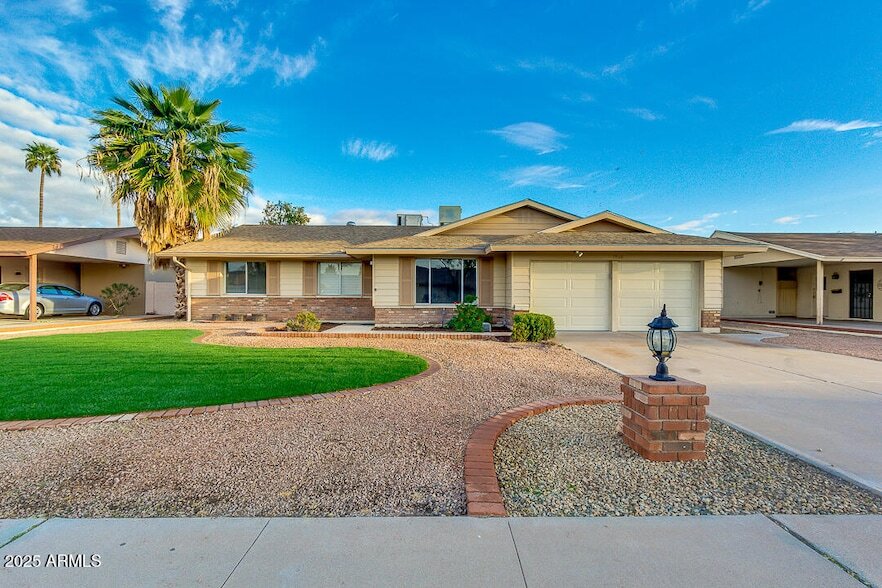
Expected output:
(602, 272)
(88, 260)
(846, 268)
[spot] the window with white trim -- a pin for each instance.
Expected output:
(245, 277)
(445, 281)
(339, 279)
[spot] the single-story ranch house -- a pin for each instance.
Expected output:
(87, 259)
(846, 268)
(602, 272)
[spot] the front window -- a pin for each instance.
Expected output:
(246, 277)
(445, 281)
(339, 279)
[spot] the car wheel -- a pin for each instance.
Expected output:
(94, 309)
(40, 311)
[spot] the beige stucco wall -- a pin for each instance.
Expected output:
(745, 297)
(385, 281)
(94, 277)
(13, 269)
(837, 305)
(805, 292)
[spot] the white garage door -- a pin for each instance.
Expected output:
(575, 293)
(644, 287)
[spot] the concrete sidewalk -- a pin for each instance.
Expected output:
(437, 551)
(823, 406)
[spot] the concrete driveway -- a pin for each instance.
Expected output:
(824, 406)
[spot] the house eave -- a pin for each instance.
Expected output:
(685, 248)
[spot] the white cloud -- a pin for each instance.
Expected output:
(704, 224)
(320, 216)
(681, 5)
(556, 177)
(644, 114)
(368, 216)
(550, 64)
(221, 56)
(794, 219)
(813, 125)
(373, 150)
(532, 135)
(704, 101)
(752, 7)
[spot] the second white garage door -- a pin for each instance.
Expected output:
(575, 293)
(644, 287)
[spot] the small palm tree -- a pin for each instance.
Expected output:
(45, 157)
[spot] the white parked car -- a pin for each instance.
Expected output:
(51, 299)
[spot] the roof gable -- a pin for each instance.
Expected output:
(605, 222)
(524, 216)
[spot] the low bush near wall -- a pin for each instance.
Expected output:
(469, 316)
(532, 326)
(304, 321)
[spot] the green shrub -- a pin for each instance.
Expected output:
(469, 316)
(532, 326)
(304, 321)
(118, 296)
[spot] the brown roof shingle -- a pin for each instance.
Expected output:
(607, 239)
(823, 244)
(289, 240)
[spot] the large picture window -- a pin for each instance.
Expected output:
(339, 279)
(445, 281)
(246, 277)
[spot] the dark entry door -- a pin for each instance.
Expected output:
(861, 287)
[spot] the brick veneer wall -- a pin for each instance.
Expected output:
(710, 319)
(427, 315)
(665, 421)
(278, 308)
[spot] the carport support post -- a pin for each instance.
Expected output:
(32, 288)
(819, 292)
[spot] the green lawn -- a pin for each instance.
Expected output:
(111, 373)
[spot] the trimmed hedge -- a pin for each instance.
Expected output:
(304, 321)
(532, 326)
(469, 316)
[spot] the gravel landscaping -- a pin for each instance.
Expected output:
(570, 462)
(840, 343)
(397, 451)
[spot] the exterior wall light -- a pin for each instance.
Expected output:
(662, 340)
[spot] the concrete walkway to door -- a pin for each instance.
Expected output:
(826, 407)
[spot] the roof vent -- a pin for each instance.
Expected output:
(449, 214)
(410, 220)
(350, 223)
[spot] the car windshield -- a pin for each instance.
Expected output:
(13, 287)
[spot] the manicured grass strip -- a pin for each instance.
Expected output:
(135, 371)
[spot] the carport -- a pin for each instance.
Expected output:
(86, 259)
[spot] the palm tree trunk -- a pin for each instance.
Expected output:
(180, 293)
(42, 179)
(118, 215)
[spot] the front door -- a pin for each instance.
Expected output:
(861, 288)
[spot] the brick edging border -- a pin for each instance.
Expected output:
(28, 425)
(384, 335)
(483, 496)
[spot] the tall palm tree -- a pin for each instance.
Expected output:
(45, 157)
(166, 155)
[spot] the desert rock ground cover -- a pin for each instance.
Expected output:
(397, 451)
(570, 462)
(866, 347)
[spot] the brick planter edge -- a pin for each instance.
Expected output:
(483, 496)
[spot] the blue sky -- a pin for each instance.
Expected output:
(694, 115)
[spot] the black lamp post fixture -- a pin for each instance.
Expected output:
(661, 340)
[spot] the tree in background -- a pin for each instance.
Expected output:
(45, 157)
(283, 213)
(118, 296)
(166, 155)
